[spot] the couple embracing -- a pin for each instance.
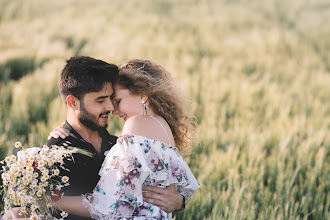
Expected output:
(140, 174)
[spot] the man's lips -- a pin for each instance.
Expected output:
(104, 115)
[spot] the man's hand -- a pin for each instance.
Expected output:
(168, 199)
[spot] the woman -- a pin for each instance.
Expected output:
(158, 126)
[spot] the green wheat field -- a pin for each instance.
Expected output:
(257, 73)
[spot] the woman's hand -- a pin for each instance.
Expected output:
(59, 132)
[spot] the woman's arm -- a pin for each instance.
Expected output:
(13, 213)
(72, 205)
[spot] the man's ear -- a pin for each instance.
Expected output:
(72, 102)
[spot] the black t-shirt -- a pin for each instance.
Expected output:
(83, 171)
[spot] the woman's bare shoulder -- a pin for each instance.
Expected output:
(139, 125)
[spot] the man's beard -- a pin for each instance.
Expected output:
(88, 119)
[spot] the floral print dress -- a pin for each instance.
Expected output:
(137, 161)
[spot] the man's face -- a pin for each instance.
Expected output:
(95, 108)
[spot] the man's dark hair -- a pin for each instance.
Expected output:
(83, 75)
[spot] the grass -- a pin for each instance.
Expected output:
(257, 74)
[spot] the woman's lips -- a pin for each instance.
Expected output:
(123, 117)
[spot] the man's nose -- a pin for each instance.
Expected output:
(115, 108)
(109, 106)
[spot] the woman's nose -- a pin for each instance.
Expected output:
(115, 111)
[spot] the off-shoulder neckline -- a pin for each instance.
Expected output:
(151, 139)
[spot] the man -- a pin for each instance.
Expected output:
(85, 86)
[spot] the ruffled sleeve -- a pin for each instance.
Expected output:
(133, 162)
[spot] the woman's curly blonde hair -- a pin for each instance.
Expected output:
(165, 97)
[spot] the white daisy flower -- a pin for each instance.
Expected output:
(43, 179)
(25, 180)
(29, 169)
(60, 159)
(56, 172)
(39, 193)
(33, 185)
(64, 214)
(31, 159)
(23, 209)
(34, 217)
(18, 144)
(34, 207)
(13, 158)
(41, 163)
(4, 176)
(65, 179)
(8, 159)
(21, 194)
(30, 199)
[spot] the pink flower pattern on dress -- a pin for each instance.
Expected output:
(137, 161)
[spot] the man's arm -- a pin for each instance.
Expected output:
(168, 199)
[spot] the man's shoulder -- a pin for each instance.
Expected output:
(60, 141)
(111, 138)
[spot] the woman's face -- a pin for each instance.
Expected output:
(126, 104)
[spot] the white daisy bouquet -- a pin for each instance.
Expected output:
(31, 178)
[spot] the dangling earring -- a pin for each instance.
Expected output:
(145, 107)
